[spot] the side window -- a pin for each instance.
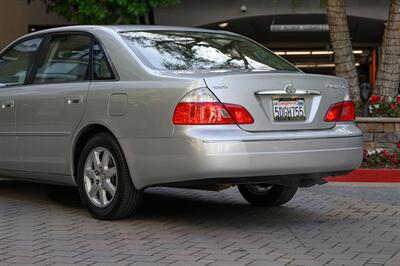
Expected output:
(66, 60)
(15, 63)
(101, 67)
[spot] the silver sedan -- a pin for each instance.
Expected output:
(117, 109)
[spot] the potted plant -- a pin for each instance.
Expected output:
(380, 107)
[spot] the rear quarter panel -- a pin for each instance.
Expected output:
(149, 106)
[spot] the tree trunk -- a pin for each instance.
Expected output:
(388, 76)
(341, 44)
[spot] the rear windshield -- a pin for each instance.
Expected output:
(177, 50)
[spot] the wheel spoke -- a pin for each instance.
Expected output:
(109, 187)
(106, 159)
(96, 160)
(103, 196)
(93, 191)
(110, 172)
(90, 174)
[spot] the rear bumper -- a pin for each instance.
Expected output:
(227, 152)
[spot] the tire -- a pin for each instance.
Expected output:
(267, 195)
(104, 182)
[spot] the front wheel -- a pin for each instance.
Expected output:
(267, 195)
(104, 182)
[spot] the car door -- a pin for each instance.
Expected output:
(15, 64)
(50, 108)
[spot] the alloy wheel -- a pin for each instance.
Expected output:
(100, 177)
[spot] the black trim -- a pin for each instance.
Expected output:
(89, 74)
(109, 61)
(38, 60)
(110, 68)
(303, 180)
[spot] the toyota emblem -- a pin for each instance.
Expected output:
(290, 88)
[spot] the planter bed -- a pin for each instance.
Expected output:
(369, 175)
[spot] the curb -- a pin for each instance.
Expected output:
(369, 175)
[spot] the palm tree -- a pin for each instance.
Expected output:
(388, 76)
(341, 44)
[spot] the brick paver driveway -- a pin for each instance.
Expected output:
(325, 225)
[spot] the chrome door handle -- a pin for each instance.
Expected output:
(75, 99)
(7, 104)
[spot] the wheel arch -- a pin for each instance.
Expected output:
(82, 138)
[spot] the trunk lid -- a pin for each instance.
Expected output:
(256, 92)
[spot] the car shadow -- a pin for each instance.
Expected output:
(193, 207)
(183, 206)
(35, 192)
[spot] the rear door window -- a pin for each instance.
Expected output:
(66, 60)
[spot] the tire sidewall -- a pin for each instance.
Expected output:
(276, 196)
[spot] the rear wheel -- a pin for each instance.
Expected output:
(267, 195)
(104, 182)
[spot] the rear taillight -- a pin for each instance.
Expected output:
(201, 107)
(339, 112)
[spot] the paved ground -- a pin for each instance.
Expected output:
(325, 225)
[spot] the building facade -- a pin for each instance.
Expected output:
(16, 17)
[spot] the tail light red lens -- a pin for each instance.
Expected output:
(210, 113)
(239, 113)
(341, 112)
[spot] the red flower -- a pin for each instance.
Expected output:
(375, 99)
(398, 145)
(398, 99)
(392, 107)
(387, 155)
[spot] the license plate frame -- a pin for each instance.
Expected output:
(288, 108)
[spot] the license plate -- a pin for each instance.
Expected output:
(288, 109)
